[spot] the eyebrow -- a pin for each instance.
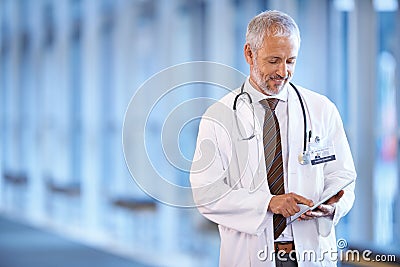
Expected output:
(275, 57)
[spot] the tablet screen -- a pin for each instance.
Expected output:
(327, 194)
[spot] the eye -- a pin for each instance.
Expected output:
(291, 61)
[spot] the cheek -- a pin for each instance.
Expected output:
(267, 70)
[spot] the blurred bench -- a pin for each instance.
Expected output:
(134, 204)
(19, 179)
(71, 189)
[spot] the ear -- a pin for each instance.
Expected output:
(248, 54)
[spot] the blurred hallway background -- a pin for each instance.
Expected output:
(68, 69)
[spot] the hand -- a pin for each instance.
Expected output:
(324, 210)
(335, 198)
(286, 204)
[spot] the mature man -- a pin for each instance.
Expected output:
(267, 148)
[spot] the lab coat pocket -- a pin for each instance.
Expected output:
(325, 226)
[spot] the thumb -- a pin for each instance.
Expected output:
(335, 198)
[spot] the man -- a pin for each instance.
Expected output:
(249, 175)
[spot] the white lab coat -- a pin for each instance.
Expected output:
(228, 181)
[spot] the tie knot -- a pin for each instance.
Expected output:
(269, 103)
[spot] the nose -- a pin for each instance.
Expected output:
(282, 70)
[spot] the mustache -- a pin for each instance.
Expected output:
(277, 76)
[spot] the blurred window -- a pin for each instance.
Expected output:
(386, 178)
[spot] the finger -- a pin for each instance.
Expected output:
(306, 217)
(293, 210)
(323, 207)
(285, 214)
(327, 209)
(302, 200)
(310, 214)
(317, 214)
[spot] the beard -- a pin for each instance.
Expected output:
(262, 83)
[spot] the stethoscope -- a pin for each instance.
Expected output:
(304, 156)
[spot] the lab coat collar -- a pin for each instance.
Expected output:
(257, 95)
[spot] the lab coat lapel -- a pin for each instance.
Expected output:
(248, 154)
(296, 131)
(241, 148)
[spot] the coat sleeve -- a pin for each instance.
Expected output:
(218, 195)
(338, 172)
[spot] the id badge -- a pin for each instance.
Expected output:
(321, 152)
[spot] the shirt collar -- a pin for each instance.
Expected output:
(257, 95)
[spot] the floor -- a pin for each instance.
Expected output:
(22, 245)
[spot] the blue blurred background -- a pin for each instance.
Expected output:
(68, 69)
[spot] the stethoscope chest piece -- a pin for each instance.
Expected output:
(304, 158)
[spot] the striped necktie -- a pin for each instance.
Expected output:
(273, 158)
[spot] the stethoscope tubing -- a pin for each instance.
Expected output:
(304, 116)
(242, 92)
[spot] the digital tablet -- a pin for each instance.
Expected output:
(325, 196)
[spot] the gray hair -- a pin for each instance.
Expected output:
(270, 23)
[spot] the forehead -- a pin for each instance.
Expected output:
(279, 46)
